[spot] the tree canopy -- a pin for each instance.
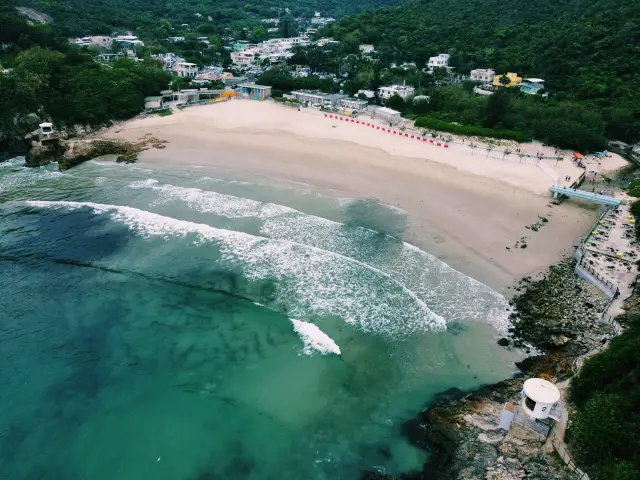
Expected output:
(586, 50)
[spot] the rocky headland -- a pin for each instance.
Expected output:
(556, 318)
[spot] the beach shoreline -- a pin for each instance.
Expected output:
(470, 211)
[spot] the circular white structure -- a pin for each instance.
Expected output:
(539, 396)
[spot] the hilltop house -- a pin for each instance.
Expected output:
(95, 40)
(531, 86)
(440, 61)
(402, 90)
(186, 69)
(514, 80)
(484, 75)
(364, 49)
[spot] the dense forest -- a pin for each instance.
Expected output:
(604, 433)
(587, 50)
(82, 17)
(51, 79)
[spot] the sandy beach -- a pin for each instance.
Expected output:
(470, 209)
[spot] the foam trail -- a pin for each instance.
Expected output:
(315, 339)
(449, 293)
(309, 281)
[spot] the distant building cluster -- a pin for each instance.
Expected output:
(107, 42)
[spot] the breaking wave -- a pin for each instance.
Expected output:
(446, 291)
(315, 340)
(299, 280)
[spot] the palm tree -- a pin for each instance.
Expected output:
(505, 80)
(489, 148)
(521, 155)
(506, 153)
(472, 145)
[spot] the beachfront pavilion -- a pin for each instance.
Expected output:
(253, 91)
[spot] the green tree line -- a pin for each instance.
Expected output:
(604, 433)
(586, 51)
(48, 77)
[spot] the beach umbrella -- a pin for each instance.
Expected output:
(578, 155)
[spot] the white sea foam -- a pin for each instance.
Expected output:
(315, 340)
(13, 162)
(448, 292)
(25, 177)
(309, 281)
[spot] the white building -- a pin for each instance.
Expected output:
(366, 93)
(366, 49)
(186, 69)
(315, 97)
(326, 41)
(322, 21)
(353, 103)
(539, 398)
(402, 90)
(129, 40)
(484, 75)
(175, 39)
(441, 61)
(96, 40)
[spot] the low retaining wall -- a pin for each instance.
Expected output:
(607, 287)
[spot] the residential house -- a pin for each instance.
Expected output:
(353, 103)
(366, 93)
(244, 58)
(175, 39)
(514, 80)
(532, 86)
(439, 61)
(364, 49)
(326, 41)
(421, 98)
(186, 69)
(402, 90)
(129, 40)
(95, 41)
(316, 97)
(322, 21)
(484, 75)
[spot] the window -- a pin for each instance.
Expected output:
(530, 404)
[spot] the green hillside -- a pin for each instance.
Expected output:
(79, 17)
(587, 50)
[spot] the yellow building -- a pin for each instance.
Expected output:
(513, 77)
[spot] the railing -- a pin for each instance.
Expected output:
(560, 447)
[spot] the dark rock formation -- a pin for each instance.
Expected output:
(68, 154)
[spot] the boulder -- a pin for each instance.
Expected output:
(503, 342)
(558, 340)
(45, 153)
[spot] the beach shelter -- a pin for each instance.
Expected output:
(578, 155)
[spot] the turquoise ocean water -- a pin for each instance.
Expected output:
(164, 322)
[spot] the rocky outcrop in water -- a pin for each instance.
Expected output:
(74, 152)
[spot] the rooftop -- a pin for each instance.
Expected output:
(388, 111)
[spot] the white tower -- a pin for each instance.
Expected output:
(46, 130)
(538, 398)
